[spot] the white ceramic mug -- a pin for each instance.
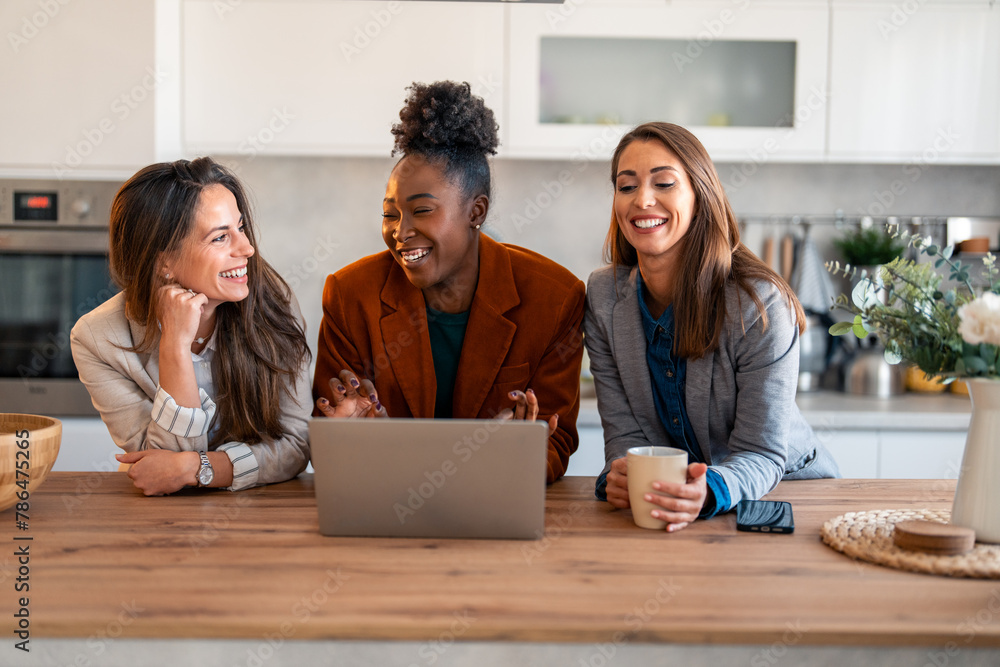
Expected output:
(646, 465)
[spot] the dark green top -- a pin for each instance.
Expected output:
(447, 331)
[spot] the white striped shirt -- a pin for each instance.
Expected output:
(187, 422)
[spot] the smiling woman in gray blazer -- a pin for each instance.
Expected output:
(693, 341)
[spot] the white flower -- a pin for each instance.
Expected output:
(979, 320)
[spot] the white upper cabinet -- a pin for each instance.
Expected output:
(915, 81)
(749, 80)
(325, 77)
(79, 82)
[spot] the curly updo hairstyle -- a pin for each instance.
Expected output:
(446, 124)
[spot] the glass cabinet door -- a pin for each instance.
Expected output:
(748, 81)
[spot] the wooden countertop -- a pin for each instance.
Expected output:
(216, 564)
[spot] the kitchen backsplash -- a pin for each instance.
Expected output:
(319, 214)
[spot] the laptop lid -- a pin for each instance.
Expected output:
(430, 477)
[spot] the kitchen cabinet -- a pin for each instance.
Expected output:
(915, 82)
(892, 454)
(914, 436)
(79, 84)
(588, 459)
(325, 78)
(86, 445)
(750, 82)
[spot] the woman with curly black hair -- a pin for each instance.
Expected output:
(448, 322)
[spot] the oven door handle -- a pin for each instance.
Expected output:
(54, 242)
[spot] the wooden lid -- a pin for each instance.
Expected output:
(943, 539)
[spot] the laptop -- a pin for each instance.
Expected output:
(451, 478)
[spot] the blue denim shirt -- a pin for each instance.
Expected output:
(667, 374)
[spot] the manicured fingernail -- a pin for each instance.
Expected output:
(648, 498)
(324, 402)
(371, 397)
(341, 387)
(656, 485)
(531, 391)
(513, 394)
(355, 383)
(378, 406)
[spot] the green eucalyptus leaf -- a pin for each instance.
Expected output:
(975, 365)
(939, 262)
(859, 331)
(841, 328)
(859, 295)
(947, 252)
(931, 250)
(892, 356)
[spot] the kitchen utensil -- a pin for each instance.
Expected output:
(787, 254)
(867, 373)
(769, 251)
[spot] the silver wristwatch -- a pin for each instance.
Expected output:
(205, 472)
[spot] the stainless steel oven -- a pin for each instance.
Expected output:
(53, 269)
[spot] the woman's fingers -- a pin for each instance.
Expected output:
(532, 405)
(367, 391)
(553, 423)
(617, 484)
(520, 404)
(324, 407)
(349, 380)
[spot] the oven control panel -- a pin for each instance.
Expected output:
(41, 203)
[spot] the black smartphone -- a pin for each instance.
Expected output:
(764, 516)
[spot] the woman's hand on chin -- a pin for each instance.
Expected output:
(351, 398)
(179, 312)
(526, 409)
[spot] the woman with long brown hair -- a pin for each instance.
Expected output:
(199, 367)
(693, 341)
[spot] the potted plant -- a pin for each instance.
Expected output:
(951, 333)
(869, 246)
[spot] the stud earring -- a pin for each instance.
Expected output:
(478, 226)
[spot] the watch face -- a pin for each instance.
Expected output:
(205, 475)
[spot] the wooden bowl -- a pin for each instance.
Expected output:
(26, 438)
(977, 244)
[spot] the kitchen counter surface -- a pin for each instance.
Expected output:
(206, 572)
(837, 410)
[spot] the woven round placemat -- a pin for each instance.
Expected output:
(867, 536)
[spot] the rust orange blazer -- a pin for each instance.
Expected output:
(523, 331)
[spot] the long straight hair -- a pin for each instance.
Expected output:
(711, 256)
(260, 345)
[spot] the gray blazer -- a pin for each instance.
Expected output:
(123, 384)
(740, 399)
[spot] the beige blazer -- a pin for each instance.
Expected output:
(123, 384)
